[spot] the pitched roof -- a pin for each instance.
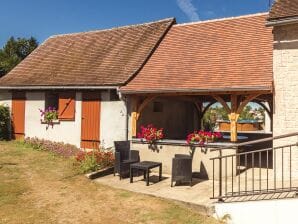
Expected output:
(97, 58)
(233, 53)
(282, 9)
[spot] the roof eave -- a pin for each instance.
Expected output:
(282, 21)
(199, 91)
(58, 87)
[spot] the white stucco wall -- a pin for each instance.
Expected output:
(112, 120)
(65, 131)
(282, 211)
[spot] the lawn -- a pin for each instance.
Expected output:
(38, 187)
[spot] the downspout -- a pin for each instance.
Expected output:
(124, 98)
(126, 122)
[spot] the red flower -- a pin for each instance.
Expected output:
(202, 136)
(151, 133)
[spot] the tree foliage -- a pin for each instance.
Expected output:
(216, 112)
(14, 51)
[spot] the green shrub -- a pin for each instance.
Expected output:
(89, 163)
(95, 160)
(4, 123)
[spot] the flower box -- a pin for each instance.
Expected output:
(53, 122)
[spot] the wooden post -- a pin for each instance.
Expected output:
(199, 107)
(134, 116)
(233, 119)
(233, 116)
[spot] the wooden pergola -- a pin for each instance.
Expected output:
(238, 100)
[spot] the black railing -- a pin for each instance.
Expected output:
(252, 171)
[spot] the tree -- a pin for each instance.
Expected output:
(14, 51)
(246, 113)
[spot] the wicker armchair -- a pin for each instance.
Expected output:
(181, 169)
(124, 157)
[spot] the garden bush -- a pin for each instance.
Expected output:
(86, 161)
(95, 160)
(59, 148)
(4, 123)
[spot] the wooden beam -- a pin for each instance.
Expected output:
(207, 93)
(136, 110)
(246, 101)
(222, 102)
(268, 110)
(207, 107)
(234, 103)
(144, 104)
(198, 106)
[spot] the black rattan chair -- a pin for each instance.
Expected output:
(181, 169)
(124, 157)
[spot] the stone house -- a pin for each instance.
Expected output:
(283, 17)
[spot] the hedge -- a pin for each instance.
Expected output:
(4, 123)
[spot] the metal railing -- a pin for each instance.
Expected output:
(251, 171)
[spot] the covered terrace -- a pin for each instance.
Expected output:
(197, 64)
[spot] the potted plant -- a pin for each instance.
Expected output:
(201, 137)
(49, 116)
(151, 134)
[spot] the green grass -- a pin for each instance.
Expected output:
(39, 187)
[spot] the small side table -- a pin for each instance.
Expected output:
(145, 166)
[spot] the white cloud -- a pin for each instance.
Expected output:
(189, 9)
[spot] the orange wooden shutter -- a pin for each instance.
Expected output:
(67, 106)
(18, 115)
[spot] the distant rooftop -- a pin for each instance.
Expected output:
(283, 9)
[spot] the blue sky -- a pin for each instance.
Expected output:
(43, 18)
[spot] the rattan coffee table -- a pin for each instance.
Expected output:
(145, 166)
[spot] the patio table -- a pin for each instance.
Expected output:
(145, 166)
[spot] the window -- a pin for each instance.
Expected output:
(63, 102)
(52, 100)
(157, 107)
(67, 106)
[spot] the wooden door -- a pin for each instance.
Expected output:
(90, 135)
(18, 115)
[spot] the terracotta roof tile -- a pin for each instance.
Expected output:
(229, 53)
(282, 9)
(104, 57)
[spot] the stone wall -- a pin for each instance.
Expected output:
(202, 165)
(285, 73)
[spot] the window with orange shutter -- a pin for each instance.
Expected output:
(67, 106)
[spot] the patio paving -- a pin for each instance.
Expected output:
(197, 195)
